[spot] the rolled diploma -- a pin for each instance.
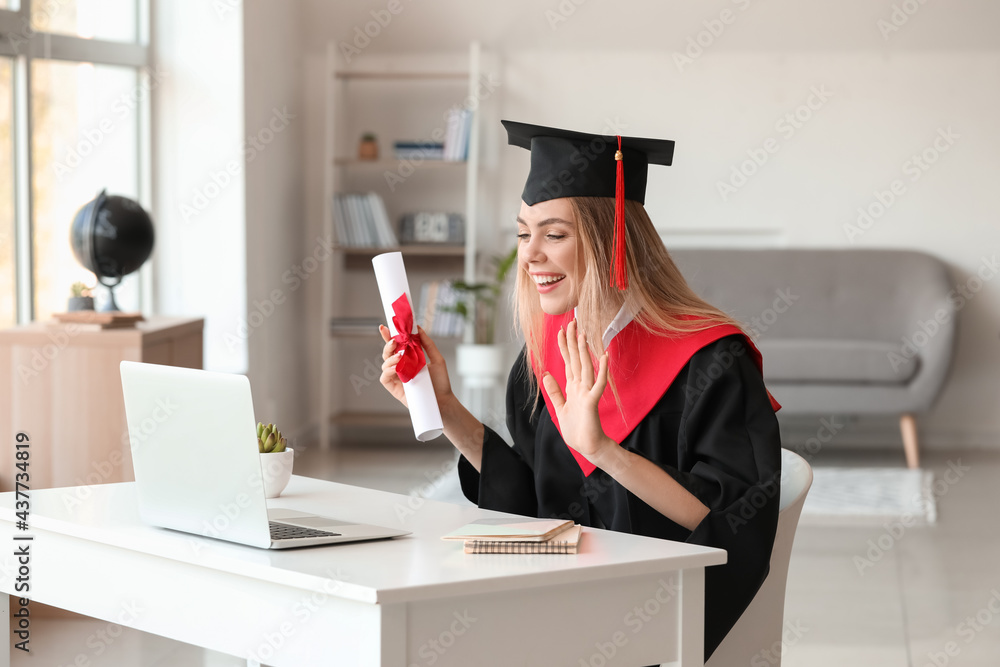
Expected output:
(424, 412)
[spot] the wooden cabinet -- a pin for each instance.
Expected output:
(60, 384)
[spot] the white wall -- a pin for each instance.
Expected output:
(889, 95)
(198, 179)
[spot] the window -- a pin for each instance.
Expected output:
(113, 20)
(74, 87)
(8, 314)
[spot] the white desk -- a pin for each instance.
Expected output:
(410, 601)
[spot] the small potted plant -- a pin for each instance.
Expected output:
(276, 459)
(480, 364)
(82, 298)
(368, 148)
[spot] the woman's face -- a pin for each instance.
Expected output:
(550, 251)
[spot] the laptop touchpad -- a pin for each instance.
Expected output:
(315, 521)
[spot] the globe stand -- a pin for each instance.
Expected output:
(110, 306)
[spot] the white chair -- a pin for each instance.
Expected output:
(756, 637)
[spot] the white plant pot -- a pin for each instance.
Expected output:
(480, 365)
(277, 470)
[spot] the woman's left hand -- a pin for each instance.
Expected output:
(577, 411)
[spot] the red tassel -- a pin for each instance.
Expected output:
(619, 277)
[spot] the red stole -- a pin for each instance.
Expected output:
(643, 365)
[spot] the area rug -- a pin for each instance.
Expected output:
(869, 496)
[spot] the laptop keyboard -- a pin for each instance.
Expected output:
(285, 531)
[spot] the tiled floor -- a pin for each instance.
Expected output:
(886, 596)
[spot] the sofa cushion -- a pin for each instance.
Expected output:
(806, 361)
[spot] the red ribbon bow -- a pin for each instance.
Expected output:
(409, 343)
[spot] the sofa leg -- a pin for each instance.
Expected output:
(908, 426)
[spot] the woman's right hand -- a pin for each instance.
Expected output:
(435, 366)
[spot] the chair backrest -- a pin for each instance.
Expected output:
(757, 634)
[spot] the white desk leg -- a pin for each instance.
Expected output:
(5, 646)
(692, 618)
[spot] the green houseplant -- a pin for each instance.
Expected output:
(276, 459)
(81, 299)
(480, 364)
(478, 302)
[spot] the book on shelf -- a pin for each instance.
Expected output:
(361, 221)
(565, 542)
(521, 529)
(456, 138)
(417, 150)
(435, 297)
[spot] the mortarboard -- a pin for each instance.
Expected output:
(565, 163)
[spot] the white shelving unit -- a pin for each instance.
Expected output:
(406, 95)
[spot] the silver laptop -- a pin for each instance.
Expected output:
(197, 467)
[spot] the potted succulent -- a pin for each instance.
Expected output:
(82, 298)
(480, 363)
(368, 148)
(276, 459)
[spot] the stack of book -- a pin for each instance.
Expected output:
(456, 138)
(361, 221)
(437, 297)
(519, 536)
(418, 150)
(454, 148)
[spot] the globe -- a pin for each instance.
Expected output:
(112, 236)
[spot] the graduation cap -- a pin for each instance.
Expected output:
(565, 163)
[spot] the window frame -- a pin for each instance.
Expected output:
(22, 44)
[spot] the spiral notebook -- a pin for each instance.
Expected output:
(566, 542)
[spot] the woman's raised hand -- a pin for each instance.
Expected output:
(435, 366)
(577, 411)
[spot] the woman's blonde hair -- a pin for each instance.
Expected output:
(657, 294)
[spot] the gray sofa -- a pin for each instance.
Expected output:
(841, 331)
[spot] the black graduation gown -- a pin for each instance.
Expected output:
(717, 437)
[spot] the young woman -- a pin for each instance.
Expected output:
(634, 406)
